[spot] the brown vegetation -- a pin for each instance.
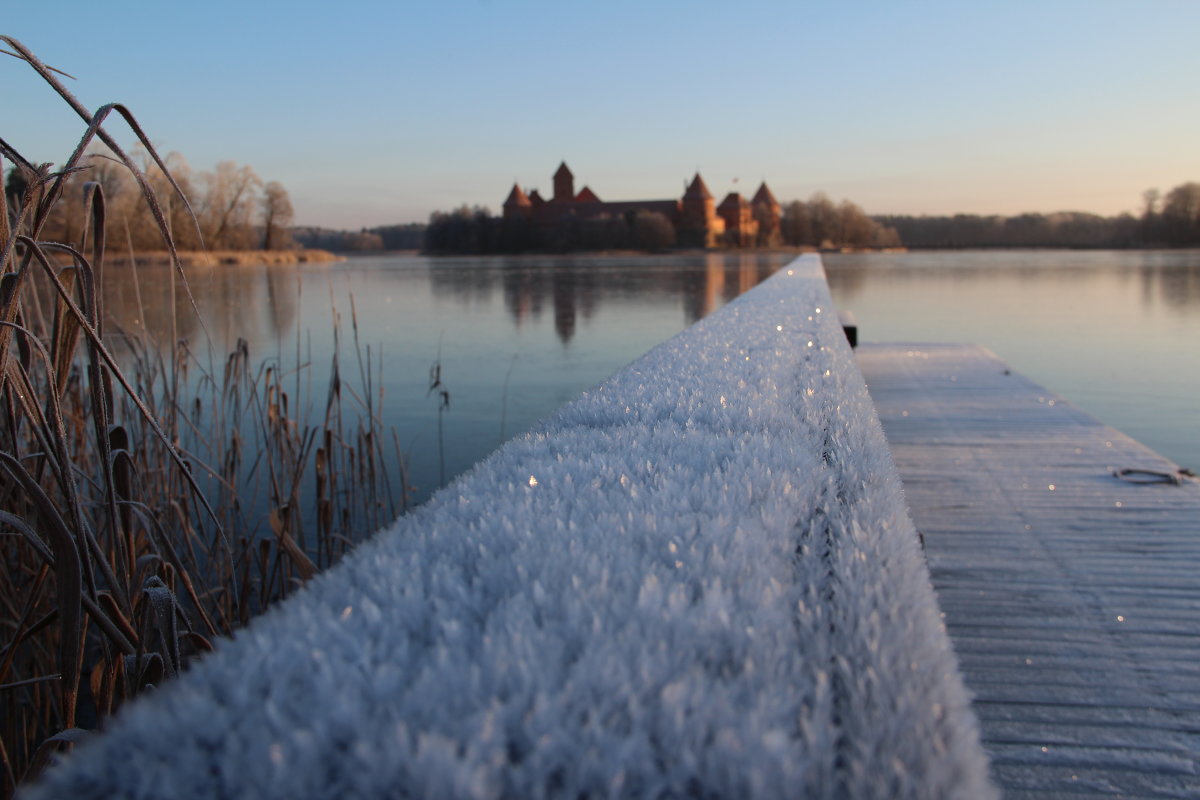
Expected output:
(152, 498)
(190, 258)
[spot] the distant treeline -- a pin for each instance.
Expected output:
(1170, 221)
(474, 230)
(1063, 229)
(386, 237)
(820, 222)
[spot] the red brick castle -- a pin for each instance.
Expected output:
(698, 222)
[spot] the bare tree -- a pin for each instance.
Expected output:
(277, 216)
(797, 224)
(1181, 214)
(652, 231)
(824, 216)
(854, 227)
(227, 215)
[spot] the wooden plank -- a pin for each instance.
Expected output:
(1071, 596)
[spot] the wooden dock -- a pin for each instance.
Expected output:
(1072, 596)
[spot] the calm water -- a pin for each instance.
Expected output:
(1117, 333)
(516, 338)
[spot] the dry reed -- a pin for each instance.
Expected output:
(135, 480)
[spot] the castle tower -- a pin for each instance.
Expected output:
(763, 197)
(518, 204)
(768, 213)
(697, 218)
(740, 227)
(564, 184)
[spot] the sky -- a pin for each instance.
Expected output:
(377, 113)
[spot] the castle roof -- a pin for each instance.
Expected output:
(697, 189)
(733, 200)
(764, 197)
(586, 195)
(563, 171)
(517, 198)
(535, 197)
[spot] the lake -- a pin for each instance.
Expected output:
(516, 337)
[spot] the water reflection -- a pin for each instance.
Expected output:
(1176, 284)
(575, 287)
(257, 303)
(514, 337)
(517, 337)
(1113, 331)
(1167, 277)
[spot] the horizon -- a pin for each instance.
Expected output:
(383, 114)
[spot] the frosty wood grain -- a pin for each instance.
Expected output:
(1072, 597)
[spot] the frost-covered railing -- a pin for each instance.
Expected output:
(697, 580)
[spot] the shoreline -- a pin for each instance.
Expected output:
(192, 258)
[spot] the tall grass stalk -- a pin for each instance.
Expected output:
(152, 497)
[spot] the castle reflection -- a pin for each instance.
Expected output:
(575, 287)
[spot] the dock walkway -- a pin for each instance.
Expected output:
(1072, 597)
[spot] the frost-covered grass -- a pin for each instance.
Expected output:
(698, 579)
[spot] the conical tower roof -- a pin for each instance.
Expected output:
(764, 197)
(563, 171)
(697, 189)
(517, 198)
(732, 200)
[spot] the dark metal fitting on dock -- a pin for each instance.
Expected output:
(1148, 476)
(849, 325)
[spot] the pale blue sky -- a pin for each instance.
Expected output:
(379, 112)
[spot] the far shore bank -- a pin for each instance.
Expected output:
(190, 258)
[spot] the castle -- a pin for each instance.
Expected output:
(698, 222)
